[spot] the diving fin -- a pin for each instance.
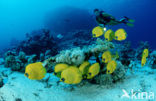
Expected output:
(130, 24)
(131, 20)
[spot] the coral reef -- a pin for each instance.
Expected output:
(109, 79)
(77, 38)
(123, 50)
(153, 60)
(78, 51)
(74, 56)
(119, 73)
(77, 56)
(44, 45)
(38, 42)
(1, 61)
(9, 59)
(142, 45)
(17, 62)
(1, 82)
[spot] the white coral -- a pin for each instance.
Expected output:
(74, 56)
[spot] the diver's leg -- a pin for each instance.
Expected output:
(127, 21)
(102, 25)
(114, 22)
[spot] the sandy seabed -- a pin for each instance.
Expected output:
(19, 88)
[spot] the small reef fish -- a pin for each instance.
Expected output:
(106, 57)
(120, 34)
(145, 53)
(97, 31)
(71, 75)
(109, 35)
(35, 71)
(111, 66)
(143, 61)
(144, 56)
(59, 68)
(93, 70)
(84, 68)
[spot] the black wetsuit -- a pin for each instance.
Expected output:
(101, 19)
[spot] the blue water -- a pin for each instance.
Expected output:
(18, 17)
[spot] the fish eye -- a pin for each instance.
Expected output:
(90, 73)
(26, 74)
(106, 39)
(63, 79)
(94, 35)
(103, 59)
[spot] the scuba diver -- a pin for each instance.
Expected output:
(104, 19)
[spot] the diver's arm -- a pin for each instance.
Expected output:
(101, 25)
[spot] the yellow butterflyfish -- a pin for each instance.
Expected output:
(35, 71)
(106, 56)
(120, 34)
(111, 66)
(109, 35)
(93, 70)
(71, 75)
(97, 31)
